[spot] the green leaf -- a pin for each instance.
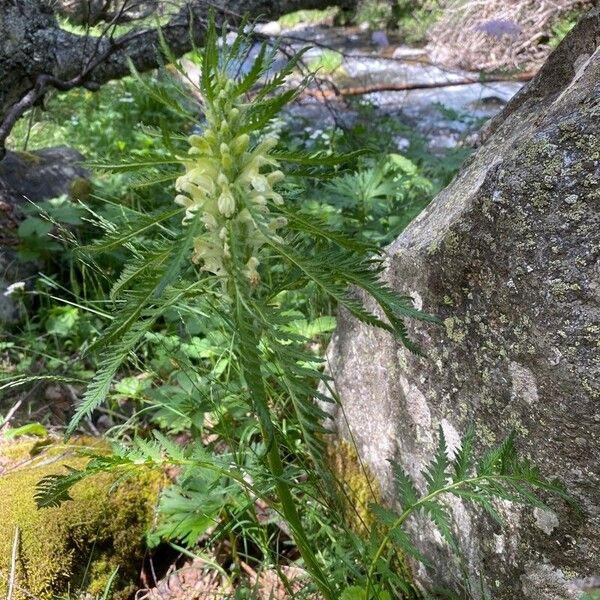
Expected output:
(494, 460)
(34, 226)
(29, 429)
(134, 229)
(354, 593)
(463, 458)
(110, 362)
(53, 490)
(62, 320)
(439, 515)
(405, 488)
(109, 584)
(436, 473)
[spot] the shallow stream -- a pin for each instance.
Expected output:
(445, 109)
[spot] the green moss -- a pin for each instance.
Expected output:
(80, 189)
(28, 157)
(79, 544)
(361, 490)
(360, 486)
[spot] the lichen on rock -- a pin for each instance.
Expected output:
(78, 545)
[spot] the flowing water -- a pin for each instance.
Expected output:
(444, 109)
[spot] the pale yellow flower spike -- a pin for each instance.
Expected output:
(223, 183)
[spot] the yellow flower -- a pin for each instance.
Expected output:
(226, 203)
(223, 182)
(250, 271)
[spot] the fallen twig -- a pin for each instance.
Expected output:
(11, 414)
(13, 565)
(322, 94)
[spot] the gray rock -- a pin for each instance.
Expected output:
(380, 39)
(511, 264)
(30, 177)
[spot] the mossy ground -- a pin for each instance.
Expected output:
(78, 545)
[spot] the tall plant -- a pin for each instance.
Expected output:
(231, 218)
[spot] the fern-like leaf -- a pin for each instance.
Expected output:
(436, 475)
(405, 488)
(53, 490)
(99, 387)
(463, 458)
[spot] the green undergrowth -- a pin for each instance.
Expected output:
(308, 17)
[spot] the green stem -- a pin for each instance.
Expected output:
(250, 363)
(404, 516)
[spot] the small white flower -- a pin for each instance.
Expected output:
(259, 200)
(260, 183)
(15, 288)
(182, 200)
(209, 221)
(226, 203)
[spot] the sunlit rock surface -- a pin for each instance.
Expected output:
(508, 257)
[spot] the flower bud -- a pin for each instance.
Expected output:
(227, 161)
(199, 142)
(210, 136)
(268, 144)
(244, 216)
(240, 144)
(226, 203)
(251, 272)
(275, 177)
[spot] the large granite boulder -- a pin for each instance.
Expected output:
(508, 257)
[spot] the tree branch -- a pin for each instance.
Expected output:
(45, 56)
